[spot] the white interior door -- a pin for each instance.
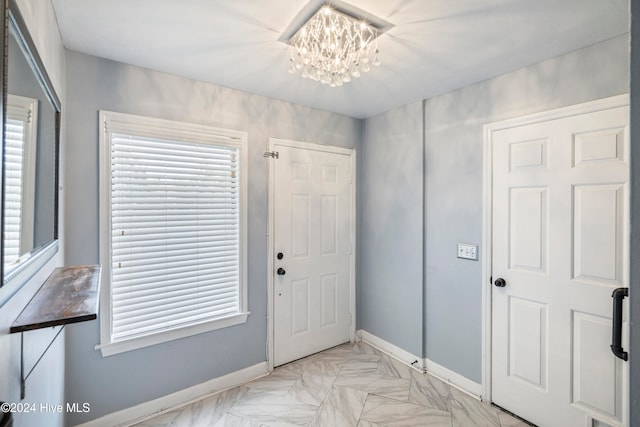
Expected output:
(560, 237)
(313, 229)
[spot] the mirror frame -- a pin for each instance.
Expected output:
(39, 256)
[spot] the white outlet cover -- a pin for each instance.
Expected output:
(468, 251)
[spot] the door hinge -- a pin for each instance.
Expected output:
(272, 154)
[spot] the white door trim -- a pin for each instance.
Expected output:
(351, 152)
(487, 197)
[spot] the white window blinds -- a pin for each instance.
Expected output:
(14, 148)
(176, 228)
(20, 157)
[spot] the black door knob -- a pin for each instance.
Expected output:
(500, 282)
(280, 255)
(280, 271)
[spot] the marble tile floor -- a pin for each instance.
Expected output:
(349, 385)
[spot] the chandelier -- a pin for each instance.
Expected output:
(332, 47)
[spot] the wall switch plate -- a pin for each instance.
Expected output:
(467, 251)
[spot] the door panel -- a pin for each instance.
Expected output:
(329, 219)
(313, 226)
(528, 341)
(598, 233)
(329, 300)
(300, 303)
(528, 228)
(559, 240)
(596, 379)
(599, 146)
(300, 225)
(528, 154)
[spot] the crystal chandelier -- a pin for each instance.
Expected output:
(332, 47)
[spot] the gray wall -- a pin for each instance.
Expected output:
(390, 276)
(46, 385)
(634, 351)
(394, 302)
(453, 162)
(124, 380)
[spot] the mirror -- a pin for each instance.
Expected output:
(30, 166)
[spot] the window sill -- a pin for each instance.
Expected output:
(112, 348)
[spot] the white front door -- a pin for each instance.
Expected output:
(313, 230)
(560, 244)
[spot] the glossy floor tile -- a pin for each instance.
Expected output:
(352, 385)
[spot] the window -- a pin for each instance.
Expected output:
(173, 230)
(20, 144)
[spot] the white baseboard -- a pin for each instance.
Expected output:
(454, 379)
(460, 382)
(138, 413)
(403, 356)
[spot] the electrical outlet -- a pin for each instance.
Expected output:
(467, 251)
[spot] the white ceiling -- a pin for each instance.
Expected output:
(435, 45)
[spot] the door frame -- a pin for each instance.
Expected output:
(487, 202)
(351, 152)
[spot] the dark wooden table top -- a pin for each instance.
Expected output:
(69, 295)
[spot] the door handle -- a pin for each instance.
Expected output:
(616, 340)
(500, 282)
(280, 271)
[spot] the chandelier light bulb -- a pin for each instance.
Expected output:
(332, 46)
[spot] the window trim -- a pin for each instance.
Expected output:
(112, 122)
